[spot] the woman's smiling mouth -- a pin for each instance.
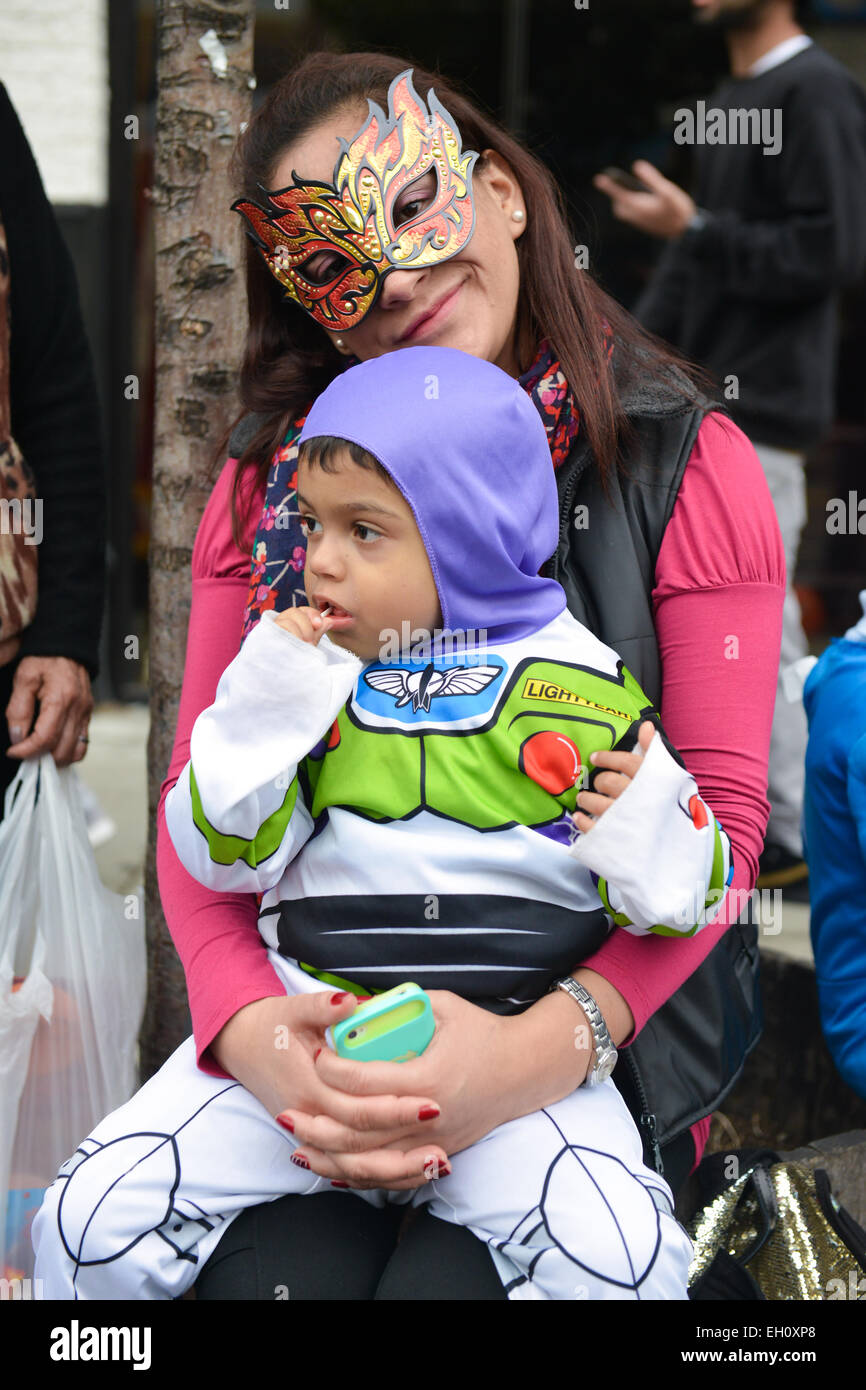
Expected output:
(432, 318)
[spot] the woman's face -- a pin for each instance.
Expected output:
(467, 302)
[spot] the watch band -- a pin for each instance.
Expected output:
(604, 1052)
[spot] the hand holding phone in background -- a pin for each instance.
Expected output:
(647, 200)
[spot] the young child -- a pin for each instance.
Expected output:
(396, 769)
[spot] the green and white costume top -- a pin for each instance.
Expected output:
(410, 820)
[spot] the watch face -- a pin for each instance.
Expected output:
(606, 1064)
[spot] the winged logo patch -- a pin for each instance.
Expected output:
(420, 687)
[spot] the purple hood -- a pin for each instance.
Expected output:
(468, 450)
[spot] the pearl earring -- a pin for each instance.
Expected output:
(517, 215)
(339, 342)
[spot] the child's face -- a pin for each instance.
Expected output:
(365, 557)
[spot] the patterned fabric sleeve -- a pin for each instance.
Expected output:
(279, 548)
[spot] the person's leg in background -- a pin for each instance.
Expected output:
(782, 862)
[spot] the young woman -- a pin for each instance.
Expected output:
(388, 233)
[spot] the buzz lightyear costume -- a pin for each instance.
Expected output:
(410, 820)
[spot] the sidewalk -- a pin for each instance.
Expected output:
(116, 770)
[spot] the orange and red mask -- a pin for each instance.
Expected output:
(356, 215)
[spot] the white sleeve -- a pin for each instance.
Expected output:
(235, 815)
(663, 861)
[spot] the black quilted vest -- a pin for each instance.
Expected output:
(691, 1052)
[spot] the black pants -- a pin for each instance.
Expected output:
(8, 766)
(335, 1246)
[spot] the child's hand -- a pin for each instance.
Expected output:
(610, 784)
(307, 623)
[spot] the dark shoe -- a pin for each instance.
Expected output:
(779, 868)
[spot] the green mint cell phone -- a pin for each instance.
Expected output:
(395, 1026)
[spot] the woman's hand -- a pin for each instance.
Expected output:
(483, 1069)
(270, 1047)
(62, 688)
(613, 782)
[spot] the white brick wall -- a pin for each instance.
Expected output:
(54, 65)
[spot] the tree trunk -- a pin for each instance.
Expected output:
(203, 97)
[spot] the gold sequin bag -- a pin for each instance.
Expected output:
(777, 1233)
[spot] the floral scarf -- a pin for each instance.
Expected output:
(279, 549)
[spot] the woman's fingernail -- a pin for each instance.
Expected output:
(286, 1123)
(316, 1053)
(338, 998)
(339, 1184)
(443, 1171)
(428, 1112)
(15, 734)
(300, 1160)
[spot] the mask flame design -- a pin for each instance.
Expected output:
(356, 216)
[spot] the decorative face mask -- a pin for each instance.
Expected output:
(360, 222)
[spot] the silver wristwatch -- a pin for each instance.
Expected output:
(604, 1053)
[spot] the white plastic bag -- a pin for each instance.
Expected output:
(80, 951)
(22, 1000)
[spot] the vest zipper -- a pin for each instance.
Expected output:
(647, 1118)
(552, 567)
(568, 495)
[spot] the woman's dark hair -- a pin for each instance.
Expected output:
(289, 360)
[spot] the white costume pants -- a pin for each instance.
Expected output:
(562, 1197)
(786, 478)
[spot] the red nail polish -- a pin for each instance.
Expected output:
(339, 1184)
(300, 1160)
(428, 1112)
(316, 1053)
(444, 1171)
(286, 1123)
(338, 998)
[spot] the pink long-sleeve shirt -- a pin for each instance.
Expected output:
(717, 603)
